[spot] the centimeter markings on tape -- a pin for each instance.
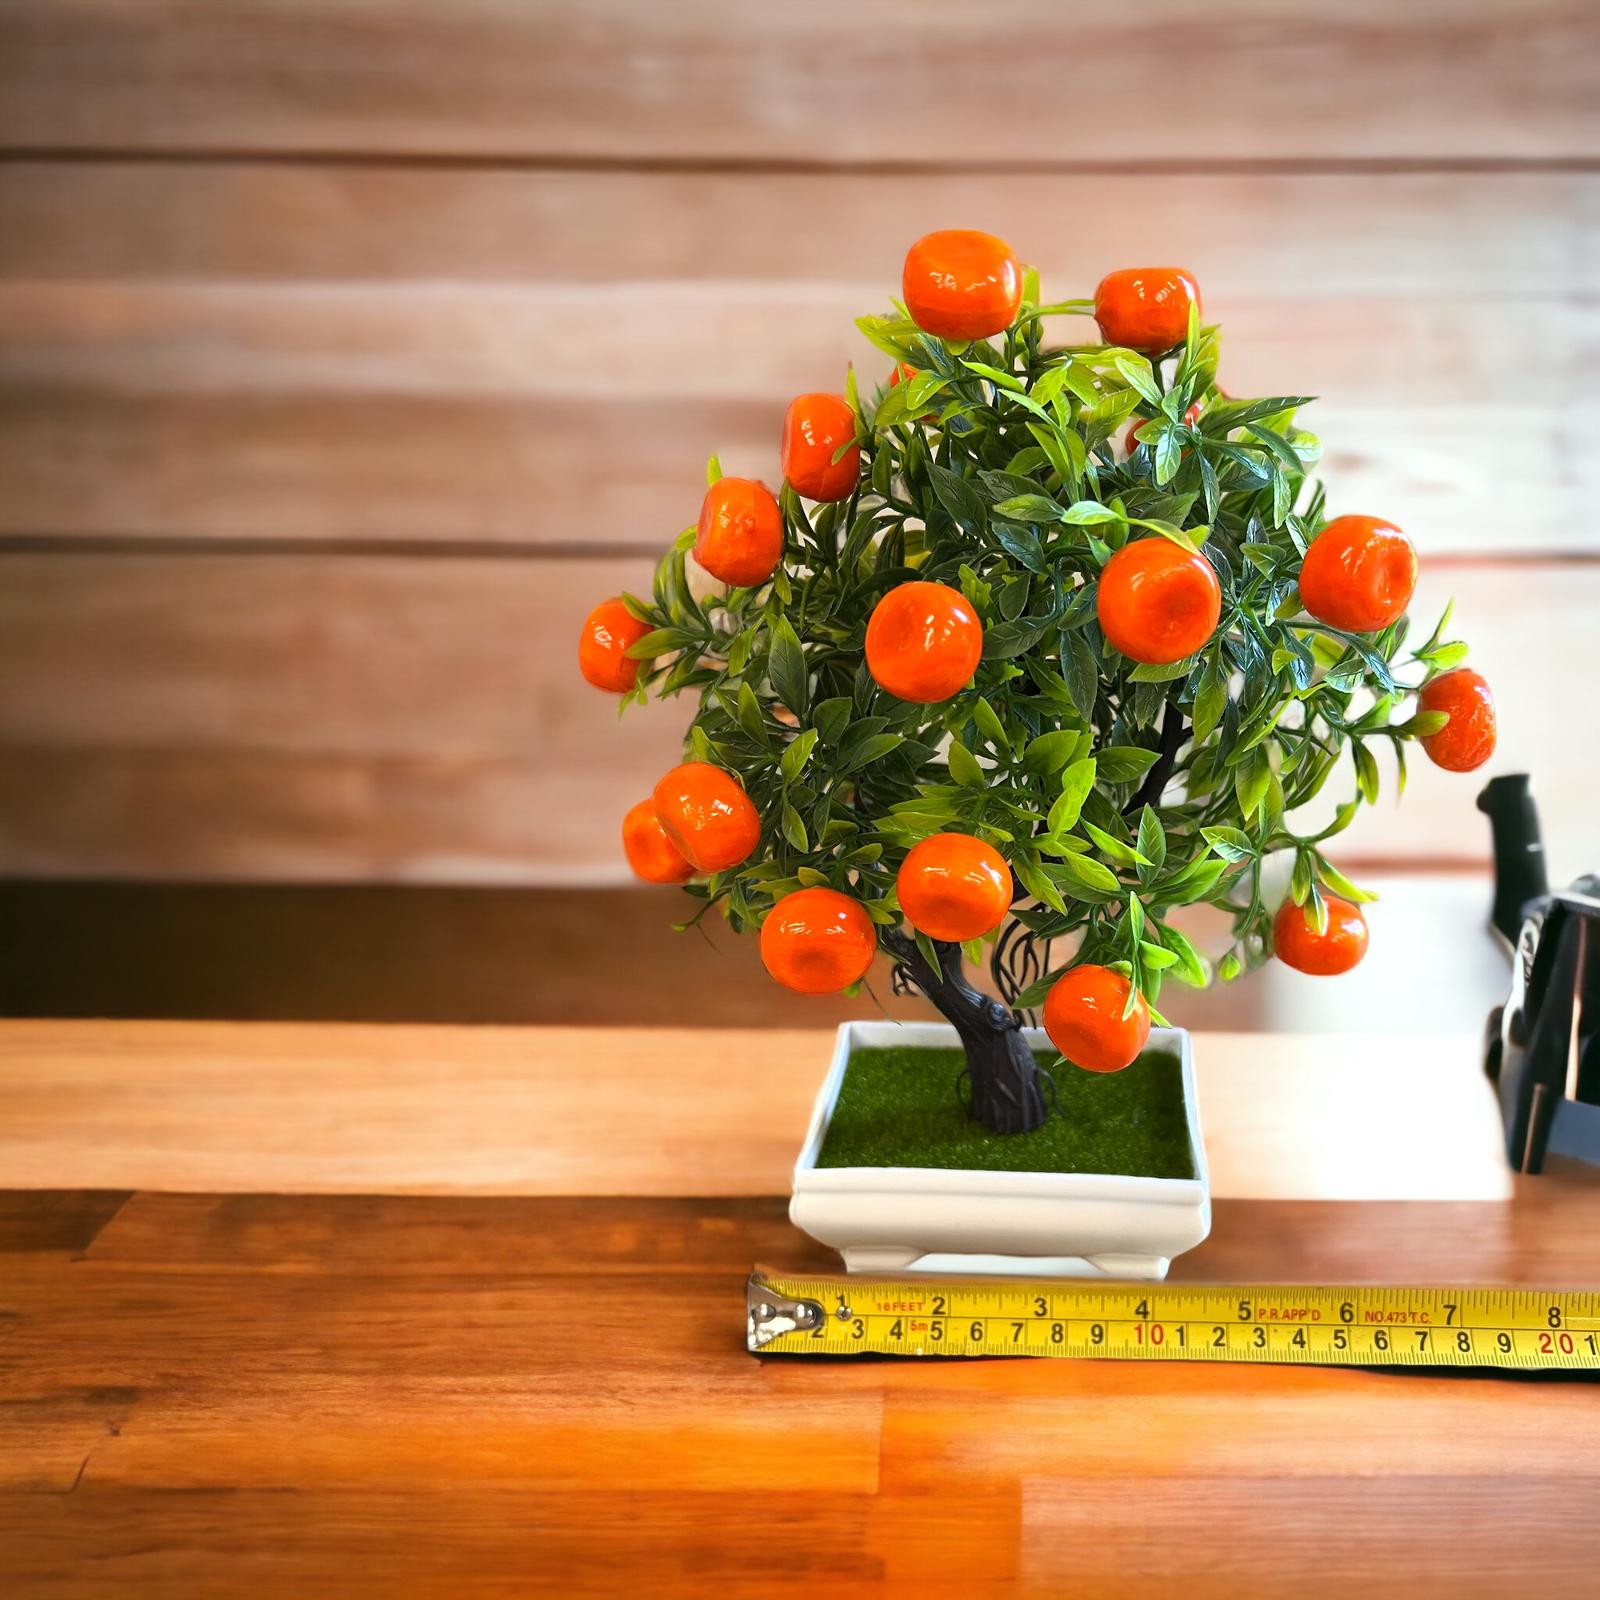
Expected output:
(1530, 1329)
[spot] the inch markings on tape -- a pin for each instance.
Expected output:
(1525, 1329)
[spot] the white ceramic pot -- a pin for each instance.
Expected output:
(1055, 1224)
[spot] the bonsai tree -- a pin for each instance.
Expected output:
(1034, 645)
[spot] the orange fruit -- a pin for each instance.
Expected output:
(924, 641)
(1468, 739)
(1336, 949)
(705, 813)
(818, 941)
(740, 538)
(1130, 441)
(1358, 574)
(955, 887)
(651, 854)
(961, 284)
(608, 632)
(1158, 601)
(1083, 1016)
(1145, 308)
(814, 427)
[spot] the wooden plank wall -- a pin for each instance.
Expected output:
(349, 351)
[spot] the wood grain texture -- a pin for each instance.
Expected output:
(229, 1395)
(339, 717)
(439, 954)
(349, 1109)
(1445, 79)
(283, 353)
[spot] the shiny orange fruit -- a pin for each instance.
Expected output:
(1130, 441)
(814, 427)
(1158, 601)
(608, 633)
(1358, 574)
(923, 642)
(651, 854)
(1336, 949)
(961, 284)
(1145, 308)
(1468, 739)
(706, 814)
(1083, 1016)
(818, 941)
(955, 887)
(740, 538)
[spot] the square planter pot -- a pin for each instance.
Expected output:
(934, 1219)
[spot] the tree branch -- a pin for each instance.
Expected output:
(1155, 780)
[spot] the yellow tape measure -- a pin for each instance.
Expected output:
(1529, 1329)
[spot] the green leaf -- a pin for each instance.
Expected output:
(1030, 508)
(1076, 782)
(831, 719)
(794, 830)
(892, 335)
(1050, 752)
(1161, 671)
(1005, 380)
(1422, 725)
(871, 749)
(1340, 884)
(1366, 771)
(1232, 844)
(1080, 668)
(799, 752)
(1123, 854)
(1191, 968)
(1020, 542)
(1137, 371)
(1084, 513)
(659, 642)
(714, 473)
(1123, 763)
(1250, 782)
(786, 666)
(1152, 844)
(964, 766)
(959, 498)
(1038, 884)
(1007, 639)
(1154, 957)
(989, 724)
(1089, 874)
(750, 718)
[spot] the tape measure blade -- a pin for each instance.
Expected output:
(1307, 1325)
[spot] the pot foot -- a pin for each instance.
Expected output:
(1147, 1269)
(879, 1258)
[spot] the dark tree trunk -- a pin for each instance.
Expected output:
(1006, 1089)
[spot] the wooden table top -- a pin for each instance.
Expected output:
(279, 1313)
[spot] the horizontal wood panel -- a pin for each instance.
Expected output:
(347, 716)
(1503, 236)
(548, 358)
(230, 1395)
(448, 954)
(711, 79)
(365, 1110)
(318, 717)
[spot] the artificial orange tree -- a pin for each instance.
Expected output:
(982, 685)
